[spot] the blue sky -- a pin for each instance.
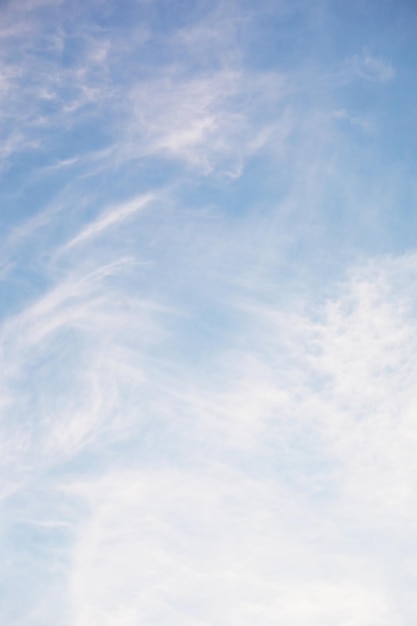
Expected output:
(208, 322)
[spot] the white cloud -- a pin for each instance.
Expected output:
(210, 120)
(67, 373)
(266, 473)
(165, 546)
(370, 67)
(108, 220)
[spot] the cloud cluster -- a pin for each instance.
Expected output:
(247, 490)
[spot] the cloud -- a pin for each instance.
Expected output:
(59, 356)
(367, 360)
(371, 68)
(209, 119)
(110, 219)
(212, 121)
(245, 487)
(199, 548)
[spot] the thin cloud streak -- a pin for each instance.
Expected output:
(108, 220)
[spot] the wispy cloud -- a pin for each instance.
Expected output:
(318, 404)
(371, 68)
(207, 331)
(111, 218)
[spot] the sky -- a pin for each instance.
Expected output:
(208, 313)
